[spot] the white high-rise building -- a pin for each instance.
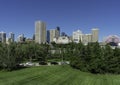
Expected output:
(40, 32)
(95, 35)
(77, 36)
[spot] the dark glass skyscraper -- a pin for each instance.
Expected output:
(48, 36)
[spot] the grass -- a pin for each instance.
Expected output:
(55, 75)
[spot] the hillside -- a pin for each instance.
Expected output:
(55, 75)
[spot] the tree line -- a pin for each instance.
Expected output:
(89, 58)
(95, 58)
(15, 53)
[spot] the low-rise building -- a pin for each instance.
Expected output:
(62, 40)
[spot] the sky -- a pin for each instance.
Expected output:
(19, 16)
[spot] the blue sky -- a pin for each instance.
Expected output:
(19, 16)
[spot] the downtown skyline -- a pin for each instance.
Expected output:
(19, 16)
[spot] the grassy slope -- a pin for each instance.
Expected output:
(55, 75)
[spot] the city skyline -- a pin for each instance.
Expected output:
(18, 16)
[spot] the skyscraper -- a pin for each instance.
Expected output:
(54, 33)
(11, 36)
(33, 38)
(3, 37)
(58, 29)
(40, 32)
(95, 35)
(48, 36)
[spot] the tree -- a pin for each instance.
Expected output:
(96, 59)
(9, 60)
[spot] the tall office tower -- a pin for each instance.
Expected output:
(48, 36)
(54, 33)
(3, 37)
(95, 35)
(77, 36)
(58, 30)
(33, 38)
(40, 32)
(11, 36)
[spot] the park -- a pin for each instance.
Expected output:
(56, 75)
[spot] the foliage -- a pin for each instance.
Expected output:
(96, 59)
(90, 58)
(13, 54)
(8, 57)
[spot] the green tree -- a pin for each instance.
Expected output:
(9, 59)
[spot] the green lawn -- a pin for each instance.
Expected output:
(55, 75)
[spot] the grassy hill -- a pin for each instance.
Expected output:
(55, 75)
